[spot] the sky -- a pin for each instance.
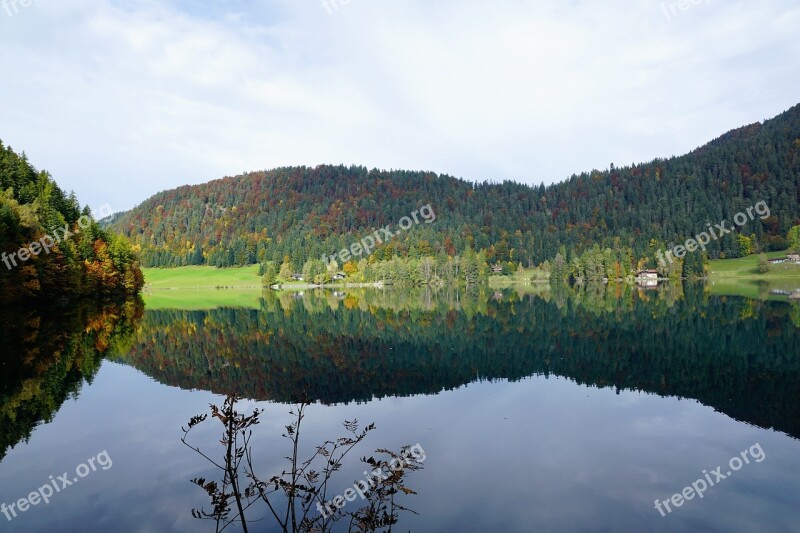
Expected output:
(120, 100)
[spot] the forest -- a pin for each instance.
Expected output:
(299, 214)
(81, 259)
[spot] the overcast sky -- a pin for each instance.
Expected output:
(119, 100)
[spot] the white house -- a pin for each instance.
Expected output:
(647, 278)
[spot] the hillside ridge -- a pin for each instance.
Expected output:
(306, 212)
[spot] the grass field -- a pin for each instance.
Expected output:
(201, 277)
(747, 268)
(740, 277)
(200, 299)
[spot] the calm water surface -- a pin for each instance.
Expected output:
(567, 410)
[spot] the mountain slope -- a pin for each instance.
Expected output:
(307, 212)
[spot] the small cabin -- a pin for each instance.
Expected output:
(647, 275)
(497, 269)
(778, 260)
(647, 278)
(297, 277)
(340, 276)
(794, 257)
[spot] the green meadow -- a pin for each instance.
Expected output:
(740, 277)
(197, 287)
(201, 277)
(198, 299)
(747, 268)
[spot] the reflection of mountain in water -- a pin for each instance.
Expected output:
(739, 356)
(46, 357)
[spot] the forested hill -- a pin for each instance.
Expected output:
(307, 212)
(51, 249)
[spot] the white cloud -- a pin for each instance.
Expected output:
(120, 102)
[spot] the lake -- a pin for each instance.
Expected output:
(538, 409)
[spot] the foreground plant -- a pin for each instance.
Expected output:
(293, 496)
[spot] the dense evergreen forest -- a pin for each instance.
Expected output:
(631, 212)
(51, 246)
(737, 355)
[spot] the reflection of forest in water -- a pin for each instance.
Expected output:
(737, 355)
(47, 355)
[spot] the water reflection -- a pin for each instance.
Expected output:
(737, 355)
(47, 356)
(550, 446)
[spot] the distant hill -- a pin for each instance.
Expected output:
(307, 212)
